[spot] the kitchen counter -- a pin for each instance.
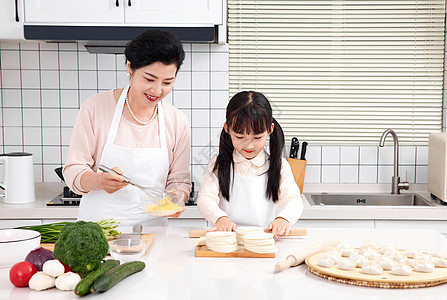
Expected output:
(47, 191)
(172, 271)
(435, 212)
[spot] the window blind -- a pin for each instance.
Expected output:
(342, 72)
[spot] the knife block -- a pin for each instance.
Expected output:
(299, 170)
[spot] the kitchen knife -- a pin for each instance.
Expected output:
(294, 147)
(303, 151)
(292, 232)
(299, 256)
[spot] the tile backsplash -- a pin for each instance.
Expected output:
(43, 84)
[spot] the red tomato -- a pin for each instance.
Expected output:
(21, 273)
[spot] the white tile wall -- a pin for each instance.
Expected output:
(42, 86)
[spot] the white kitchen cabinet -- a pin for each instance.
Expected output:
(11, 19)
(174, 12)
(119, 12)
(187, 222)
(79, 11)
(17, 223)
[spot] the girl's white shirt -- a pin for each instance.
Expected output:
(289, 206)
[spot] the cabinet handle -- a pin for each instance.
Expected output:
(17, 10)
(117, 3)
(129, 3)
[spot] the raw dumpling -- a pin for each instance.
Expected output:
(371, 254)
(347, 250)
(372, 268)
(411, 253)
(326, 261)
(422, 265)
(408, 262)
(399, 258)
(366, 248)
(385, 262)
(439, 262)
(439, 254)
(426, 257)
(371, 244)
(334, 255)
(401, 269)
(346, 264)
(388, 250)
(359, 259)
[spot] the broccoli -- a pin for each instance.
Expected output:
(82, 246)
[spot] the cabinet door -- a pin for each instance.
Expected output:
(173, 12)
(78, 11)
(186, 222)
(11, 19)
(17, 223)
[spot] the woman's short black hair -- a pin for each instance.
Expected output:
(152, 46)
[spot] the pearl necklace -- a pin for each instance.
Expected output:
(154, 114)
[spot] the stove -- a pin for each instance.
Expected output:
(66, 198)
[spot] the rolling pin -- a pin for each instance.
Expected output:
(292, 232)
(299, 256)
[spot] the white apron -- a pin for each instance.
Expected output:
(145, 166)
(249, 204)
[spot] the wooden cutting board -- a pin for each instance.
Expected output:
(384, 280)
(203, 251)
(149, 237)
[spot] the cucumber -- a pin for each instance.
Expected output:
(115, 275)
(83, 287)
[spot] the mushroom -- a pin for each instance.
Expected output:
(67, 281)
(41, 281)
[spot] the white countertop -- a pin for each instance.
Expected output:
(172, 271)
(47, 191)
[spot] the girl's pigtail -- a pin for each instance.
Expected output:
(276, 150)
(224, 164)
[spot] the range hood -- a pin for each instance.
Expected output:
(112, 39)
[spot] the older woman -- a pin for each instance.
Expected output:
(135, 132)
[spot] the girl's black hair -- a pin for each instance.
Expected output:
(250, 112)
(152, 46)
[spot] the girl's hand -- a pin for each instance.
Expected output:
(111, 182)
(279, 226)
(224, 224)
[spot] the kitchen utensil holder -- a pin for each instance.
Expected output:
(299, 170)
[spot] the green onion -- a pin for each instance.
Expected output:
(50, 232)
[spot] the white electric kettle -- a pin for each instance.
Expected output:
(18, 177)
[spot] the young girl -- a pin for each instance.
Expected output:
(243, 184)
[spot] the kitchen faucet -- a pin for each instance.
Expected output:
(396, 185)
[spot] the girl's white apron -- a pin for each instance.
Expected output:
(145, 166)
(248, 203)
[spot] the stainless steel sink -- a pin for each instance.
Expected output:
(367, 199)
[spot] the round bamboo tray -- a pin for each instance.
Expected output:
(384, 280)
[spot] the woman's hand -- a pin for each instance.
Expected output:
(177, 214)
(181, 197)
(224, 224)
(111, 182)
(279, 226)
